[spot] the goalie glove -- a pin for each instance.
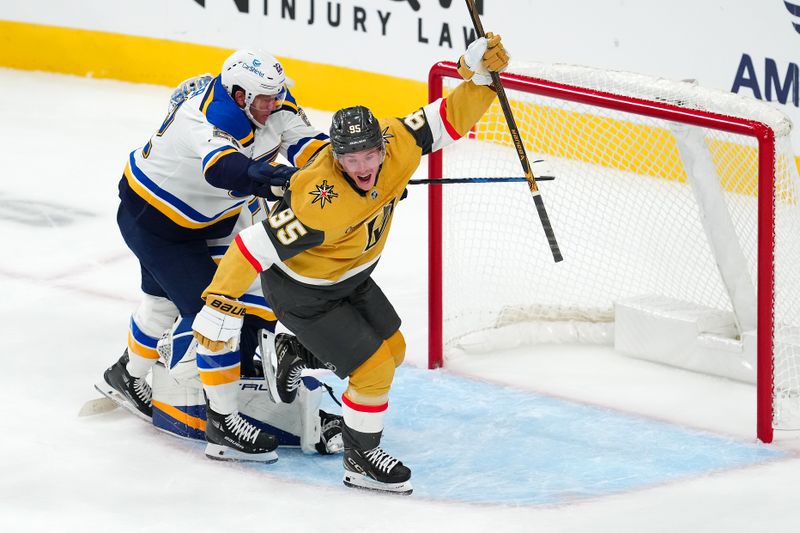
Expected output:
(483, 56)
(218, 323)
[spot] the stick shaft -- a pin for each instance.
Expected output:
(445, 181)
(520, 147)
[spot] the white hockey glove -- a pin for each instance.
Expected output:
(218, 323)
(483, 56)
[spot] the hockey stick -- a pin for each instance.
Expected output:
(445, 181)
(523, 157)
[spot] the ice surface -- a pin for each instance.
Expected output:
(637, 446)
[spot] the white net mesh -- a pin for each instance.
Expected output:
(624, 214)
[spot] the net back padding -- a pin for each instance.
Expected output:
(625, 214)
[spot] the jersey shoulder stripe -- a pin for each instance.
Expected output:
(221, 111)
(289, 104)
(214, 156)
(305, 148)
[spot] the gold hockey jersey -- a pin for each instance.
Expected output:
(326, 233)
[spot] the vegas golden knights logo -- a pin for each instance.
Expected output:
(377, 225)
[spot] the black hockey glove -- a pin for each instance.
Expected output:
(269, 179)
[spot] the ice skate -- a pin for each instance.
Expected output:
(330, 438)
(283, 376)
(134, 394)
(232, 438)
(376, 470)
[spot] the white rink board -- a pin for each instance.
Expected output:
(715, 42)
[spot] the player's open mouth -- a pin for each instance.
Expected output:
(365, 178)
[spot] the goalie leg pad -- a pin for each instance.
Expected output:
(179, 407)
(295, 424)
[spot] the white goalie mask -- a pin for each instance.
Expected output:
(255, 73)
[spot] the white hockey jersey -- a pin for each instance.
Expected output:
(190, 180)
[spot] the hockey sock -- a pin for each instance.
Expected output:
(142, 353)
(363, 424)
(219, 372)
(153, 316)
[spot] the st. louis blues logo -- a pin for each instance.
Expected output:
(324, 193)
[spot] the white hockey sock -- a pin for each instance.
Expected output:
(153, 316)
(362, 417)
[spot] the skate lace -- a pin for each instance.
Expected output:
(292, 349)
(241, 427)
(330, 423)
(293, 381)
(381, 459)
(142, 390)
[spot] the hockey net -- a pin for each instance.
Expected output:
(672, 204)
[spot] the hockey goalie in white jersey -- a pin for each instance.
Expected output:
(184, 196)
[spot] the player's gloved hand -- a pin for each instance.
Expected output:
(269, 179)
(219, 323)
(483, 55)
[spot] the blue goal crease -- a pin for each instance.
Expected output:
(470, 441)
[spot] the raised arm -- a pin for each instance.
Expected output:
(446, 120)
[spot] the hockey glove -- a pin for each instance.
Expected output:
(483, 56)
(269, 179)
(218, 323)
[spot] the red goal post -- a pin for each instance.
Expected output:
(591, 99)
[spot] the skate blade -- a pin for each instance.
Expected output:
(111, 393)
(97, 406)
(361, 482)
(219, 452)
(269, 364)
(271, 377)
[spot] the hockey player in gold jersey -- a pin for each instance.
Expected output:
(318, 247)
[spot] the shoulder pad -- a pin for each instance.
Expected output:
(221, 111)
